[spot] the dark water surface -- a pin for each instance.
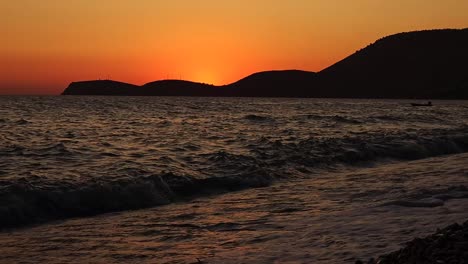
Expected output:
(64, 157)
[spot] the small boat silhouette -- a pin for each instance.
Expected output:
(428, 104)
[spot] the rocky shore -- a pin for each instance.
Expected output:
(449, 245)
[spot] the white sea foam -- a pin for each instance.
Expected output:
(334, 217)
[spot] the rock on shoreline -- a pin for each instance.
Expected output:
(449, 245)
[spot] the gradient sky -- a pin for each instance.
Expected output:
(45, 44)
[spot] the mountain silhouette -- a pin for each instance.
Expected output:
(289, 83)
(101, 87)
(178, 88)
(420, 64)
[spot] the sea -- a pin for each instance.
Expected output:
(96, 179)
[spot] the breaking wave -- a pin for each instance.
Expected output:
(24, 202)
(68, 157)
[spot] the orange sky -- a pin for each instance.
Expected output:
(48, 43)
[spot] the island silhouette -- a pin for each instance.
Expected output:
(415, 65)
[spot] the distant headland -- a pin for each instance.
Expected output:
(421, 64)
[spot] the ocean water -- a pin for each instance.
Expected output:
(225, 180)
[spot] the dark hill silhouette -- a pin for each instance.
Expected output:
(290, 83)
(421, 64)
(100, 87)
(179, 88)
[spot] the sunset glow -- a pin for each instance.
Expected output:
(47, 44)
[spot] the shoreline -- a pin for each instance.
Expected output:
(447, 245)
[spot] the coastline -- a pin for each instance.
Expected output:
(447, 245)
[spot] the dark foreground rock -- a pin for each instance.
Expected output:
(449, 245)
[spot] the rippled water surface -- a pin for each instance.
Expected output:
(330, 163)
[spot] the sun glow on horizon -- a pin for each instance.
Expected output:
(48, 44)
(206, 76)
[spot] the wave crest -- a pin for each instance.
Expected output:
(23, 203)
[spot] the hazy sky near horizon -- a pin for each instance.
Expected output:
(47, 44)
